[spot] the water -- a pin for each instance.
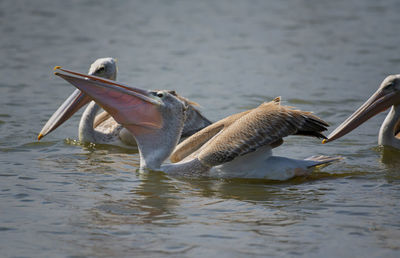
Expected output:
(61, 199)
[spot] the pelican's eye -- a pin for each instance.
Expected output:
(101, 69)
(389, 86)
(160, 94)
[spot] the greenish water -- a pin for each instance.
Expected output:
(61, 199)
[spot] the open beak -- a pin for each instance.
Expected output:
(134, 108)
(70, 106)
(378, 102)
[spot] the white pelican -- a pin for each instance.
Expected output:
(237, 146)
(102, 128)
(388, 94)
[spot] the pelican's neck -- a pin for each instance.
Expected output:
(155, 145)
(387, 131)
(86, 130)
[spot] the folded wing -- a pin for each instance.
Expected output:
(245, 132)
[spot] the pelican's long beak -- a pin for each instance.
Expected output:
(132, 107)
(378, 102)
(70, 106)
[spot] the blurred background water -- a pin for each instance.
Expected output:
(61, 199)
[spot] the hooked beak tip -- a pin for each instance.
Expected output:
(56, 67)
(324, 141)
(40, 136)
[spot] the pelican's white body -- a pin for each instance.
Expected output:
(262, 164)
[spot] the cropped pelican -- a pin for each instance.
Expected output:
(102, 128)
(387, 95)
(237, 146)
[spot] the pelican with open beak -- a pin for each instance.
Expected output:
(387, 95)
(237, 146)
(102, 128)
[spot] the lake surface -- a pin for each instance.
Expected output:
(61, 199)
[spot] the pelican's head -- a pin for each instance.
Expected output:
(155, 118)
(387, 95)
(102, 67)
(391, 85)
(170, 104)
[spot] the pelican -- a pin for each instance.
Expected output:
(102, 128)
(238, 146)
(387, 95)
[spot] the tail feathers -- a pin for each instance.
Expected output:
(322, 159)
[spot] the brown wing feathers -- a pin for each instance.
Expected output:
(103, 116)
(264, 125)
(197, 140)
